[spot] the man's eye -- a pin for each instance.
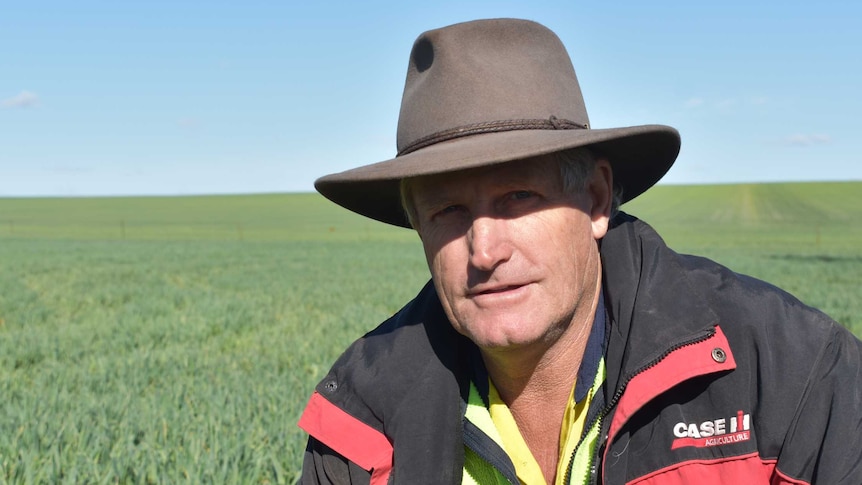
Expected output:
(521, 194)
(447, 210)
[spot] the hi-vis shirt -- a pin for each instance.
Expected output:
(577, 447)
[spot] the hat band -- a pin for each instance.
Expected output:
(552, 123)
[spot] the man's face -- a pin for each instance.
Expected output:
(514, 259)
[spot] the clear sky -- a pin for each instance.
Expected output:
(199, 97)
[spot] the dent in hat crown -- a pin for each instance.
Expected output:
(485, 72)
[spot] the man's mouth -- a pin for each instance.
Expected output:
(495, 290)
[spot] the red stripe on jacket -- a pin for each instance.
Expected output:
(687, 362)
(349, 437)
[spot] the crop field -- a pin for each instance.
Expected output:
(177, 339)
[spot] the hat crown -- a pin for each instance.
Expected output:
(486, 71)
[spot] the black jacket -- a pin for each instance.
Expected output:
(712, 377)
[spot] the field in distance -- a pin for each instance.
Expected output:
(176, 339)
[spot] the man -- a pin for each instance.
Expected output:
(559, 341)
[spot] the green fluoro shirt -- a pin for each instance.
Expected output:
(478, 471)
(580, 429)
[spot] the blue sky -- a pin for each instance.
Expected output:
(187, 97)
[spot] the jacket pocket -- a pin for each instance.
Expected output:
(749, 469)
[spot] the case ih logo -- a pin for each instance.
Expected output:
(713, 433)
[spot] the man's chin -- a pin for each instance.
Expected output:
(508, 343)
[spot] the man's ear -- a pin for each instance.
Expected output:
(600, 189)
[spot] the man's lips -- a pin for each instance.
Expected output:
(494, 289)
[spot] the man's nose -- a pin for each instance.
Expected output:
(489, 243)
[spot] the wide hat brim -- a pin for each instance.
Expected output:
(639, 156)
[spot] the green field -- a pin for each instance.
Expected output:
(165, 340)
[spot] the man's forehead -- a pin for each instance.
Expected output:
(511, 173)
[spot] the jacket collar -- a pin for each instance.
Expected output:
(643, 281)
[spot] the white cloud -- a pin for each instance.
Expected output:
(67, 169)
(188, 123)
(726, 103)
(24, 99)
(806, 140)
(694, 102)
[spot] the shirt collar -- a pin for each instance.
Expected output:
(593, 353)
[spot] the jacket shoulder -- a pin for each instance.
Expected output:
(744, 301)
(411, 365)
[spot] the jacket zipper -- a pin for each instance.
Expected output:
(487, 449)
(613, 402)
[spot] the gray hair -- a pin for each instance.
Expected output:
(576, 166)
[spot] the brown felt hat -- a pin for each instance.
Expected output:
(487, 92)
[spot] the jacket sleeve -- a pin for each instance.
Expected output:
(323, 466)
(823, 444)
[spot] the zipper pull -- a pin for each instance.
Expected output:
(594, 467)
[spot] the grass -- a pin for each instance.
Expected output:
(135, 362)
(271, 217)
(166, 340)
